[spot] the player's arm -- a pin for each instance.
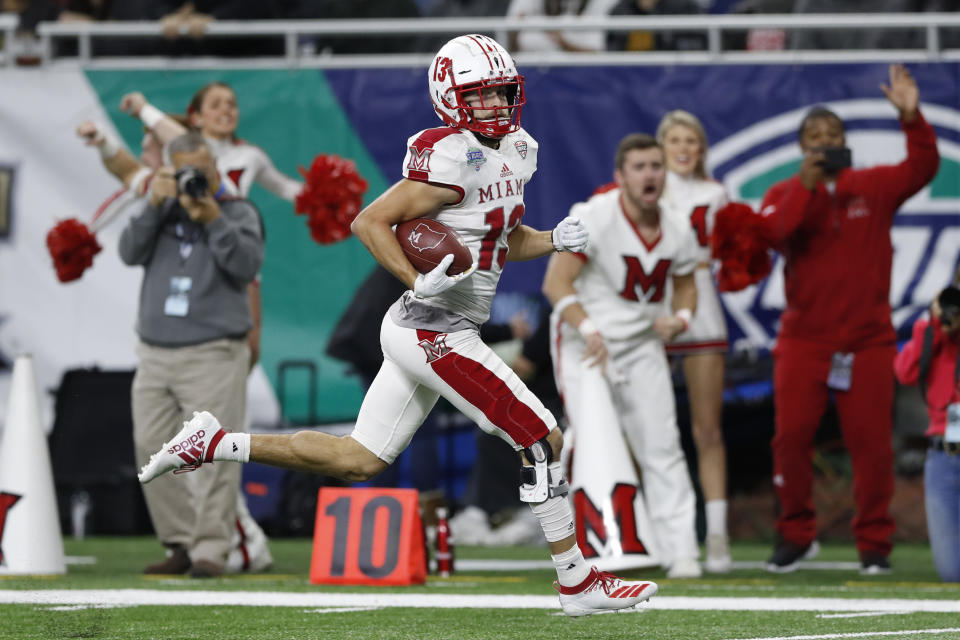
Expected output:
(684, 303)
(405, 200)
(163, 126)
(526, 243)
(562, 272)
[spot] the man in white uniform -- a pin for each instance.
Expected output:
(471, 175)
(610, 316)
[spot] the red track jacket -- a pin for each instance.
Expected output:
(837, 245)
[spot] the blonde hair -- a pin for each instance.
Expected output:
(687, 119)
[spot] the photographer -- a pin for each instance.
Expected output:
(932, 359)
(199, 253)
(832, 225)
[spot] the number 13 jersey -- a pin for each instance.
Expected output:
(491, 184)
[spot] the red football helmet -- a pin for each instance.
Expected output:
(469, 64)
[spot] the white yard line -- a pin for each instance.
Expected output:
(137, 597)
(864, 614)
(864, 634)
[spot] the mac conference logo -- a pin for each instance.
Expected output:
(926, 231)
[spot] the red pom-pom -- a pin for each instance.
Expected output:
(331, 198)
(736, 242)
(72, 248)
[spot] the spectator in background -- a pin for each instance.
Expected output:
(859, 37)
(659, 40)
(692, 199)
(250, 551)
(214, 112)
(609, 313)
(932, 359)
(199, 254)
(357, 43)
(544, 41)
(759, 39)
(832, 225)
(185, 27)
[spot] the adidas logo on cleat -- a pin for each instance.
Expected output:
(189, 444)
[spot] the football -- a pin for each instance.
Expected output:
(426, 241)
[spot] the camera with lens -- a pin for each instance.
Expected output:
(949, 300)
(192, 182)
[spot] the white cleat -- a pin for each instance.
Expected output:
(603, 592)
(187, 450)
(718, 554)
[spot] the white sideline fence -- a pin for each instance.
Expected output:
(295, 56)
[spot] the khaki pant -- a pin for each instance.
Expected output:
(197, 509)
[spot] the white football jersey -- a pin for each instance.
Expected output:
(693, 204)
(241, 164)
(623, 282)
(490, 183)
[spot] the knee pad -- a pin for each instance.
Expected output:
(544, 479)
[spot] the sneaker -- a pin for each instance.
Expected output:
(787, 556)
(187, 450)
(874, 564)
(683, 568)
(176, 562)
(602, 592)
(470, 526)
(718, 554)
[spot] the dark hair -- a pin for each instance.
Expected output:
(634, 141)
(197, 100)
(816, 113)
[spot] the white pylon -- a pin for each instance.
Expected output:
(30, 539)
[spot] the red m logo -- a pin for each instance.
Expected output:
(435, 349)
(651, 285)
(419, 159)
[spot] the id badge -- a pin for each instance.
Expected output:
(951, 435)
(177, 303)
(841, 372)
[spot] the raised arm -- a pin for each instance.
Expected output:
(162, 125)
(115, 157)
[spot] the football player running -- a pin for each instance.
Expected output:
(470, 175)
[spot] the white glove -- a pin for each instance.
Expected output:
(570, 235)
(437, 281)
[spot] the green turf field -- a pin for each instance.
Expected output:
(104, 597)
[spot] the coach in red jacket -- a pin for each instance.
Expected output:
(832, 225)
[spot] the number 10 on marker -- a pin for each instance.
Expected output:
(368, 536)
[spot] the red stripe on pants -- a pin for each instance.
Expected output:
(487, 392)
(866, 421)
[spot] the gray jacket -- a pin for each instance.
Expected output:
(195, 276)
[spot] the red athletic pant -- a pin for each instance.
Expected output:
(866, 420)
